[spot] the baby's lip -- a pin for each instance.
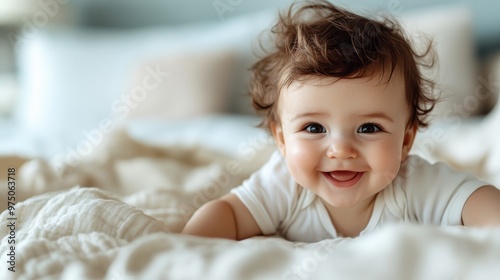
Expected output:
(344, 178)
(343, 175)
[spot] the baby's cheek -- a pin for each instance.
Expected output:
(301, 158)
(303, 152)
(388, 162)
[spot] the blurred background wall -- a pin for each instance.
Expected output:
(130, 13)
(20, 19)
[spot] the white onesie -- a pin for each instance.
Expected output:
(420, 193)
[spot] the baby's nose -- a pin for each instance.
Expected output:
(341, 149)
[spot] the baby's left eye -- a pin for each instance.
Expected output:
(369, 128)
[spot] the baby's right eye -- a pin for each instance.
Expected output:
(315, 128)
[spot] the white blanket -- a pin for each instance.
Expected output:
(123, 219)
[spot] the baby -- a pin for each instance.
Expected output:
(343, 97)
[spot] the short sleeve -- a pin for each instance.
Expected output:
(433, 193)
(269, 194)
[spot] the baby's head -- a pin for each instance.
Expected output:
(322, 40)
(341, 92)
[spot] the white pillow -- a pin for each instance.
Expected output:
(70, 78)
(190, 85)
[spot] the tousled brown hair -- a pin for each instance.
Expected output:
(319, 39)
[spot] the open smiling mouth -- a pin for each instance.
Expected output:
(343, 179)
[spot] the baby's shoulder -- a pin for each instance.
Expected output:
(416, 168)
(418, 175)
(273, 177)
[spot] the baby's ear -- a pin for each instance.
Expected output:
(277, 132)
(409, 137)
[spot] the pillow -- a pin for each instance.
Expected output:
(71, 78)
(191, 84)
(451, 29)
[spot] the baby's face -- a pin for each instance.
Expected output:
(344, 141)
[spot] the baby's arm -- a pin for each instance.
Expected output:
(226, 217)
(482, 208)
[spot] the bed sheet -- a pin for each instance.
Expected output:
(117, 214)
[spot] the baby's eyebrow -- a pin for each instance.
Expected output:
(307, 114)
(379, 115)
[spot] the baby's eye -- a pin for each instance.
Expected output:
(369, 128)
(315, 128)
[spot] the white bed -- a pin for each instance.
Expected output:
(111, 207)
(117, 214)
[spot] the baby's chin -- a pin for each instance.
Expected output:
(338, 201)
(361, 204)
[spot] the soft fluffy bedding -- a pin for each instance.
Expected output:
(117, 213)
